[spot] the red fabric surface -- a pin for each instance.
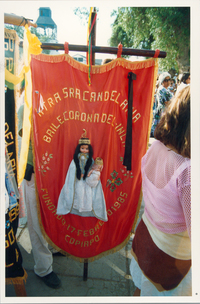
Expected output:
(71, 105)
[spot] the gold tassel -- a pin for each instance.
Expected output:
(17, 280)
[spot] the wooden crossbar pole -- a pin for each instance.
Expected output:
(21, 21)
(102, 49)
(18, 20)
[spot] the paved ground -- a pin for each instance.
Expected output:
(107, 277)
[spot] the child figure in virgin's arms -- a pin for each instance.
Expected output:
(77, 196)
(93, 176)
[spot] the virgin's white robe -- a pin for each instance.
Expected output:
(77, 197)
(93, 179)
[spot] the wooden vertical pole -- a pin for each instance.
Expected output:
(93, 38)
(20, 290)
(93, 35)
(85, 270)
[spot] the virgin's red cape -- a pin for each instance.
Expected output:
(63, 105)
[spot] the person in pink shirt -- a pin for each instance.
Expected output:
(161, 248)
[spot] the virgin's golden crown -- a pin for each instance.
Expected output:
(84, 140)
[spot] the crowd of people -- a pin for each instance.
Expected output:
(166, 88)
(161, 263)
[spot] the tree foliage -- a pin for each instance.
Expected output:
(19, 29)
(83, 13)
(164, 28)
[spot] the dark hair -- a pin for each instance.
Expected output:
(185, 77)
(88, 163)
(174, 126)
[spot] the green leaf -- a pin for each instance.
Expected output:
(164, 28)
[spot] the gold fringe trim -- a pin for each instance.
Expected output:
(36, 189)
(149, 130)
(17, 280)
(152, 99)
(137, 211)
(96, 69)
(88, 259)
(46, 237)
(10, 31)
(16, 60)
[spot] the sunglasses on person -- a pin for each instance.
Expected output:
(167, 80)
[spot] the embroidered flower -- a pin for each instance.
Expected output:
(44, 164)
(125, 172)
(112, 183)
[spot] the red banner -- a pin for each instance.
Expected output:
(100, 219)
